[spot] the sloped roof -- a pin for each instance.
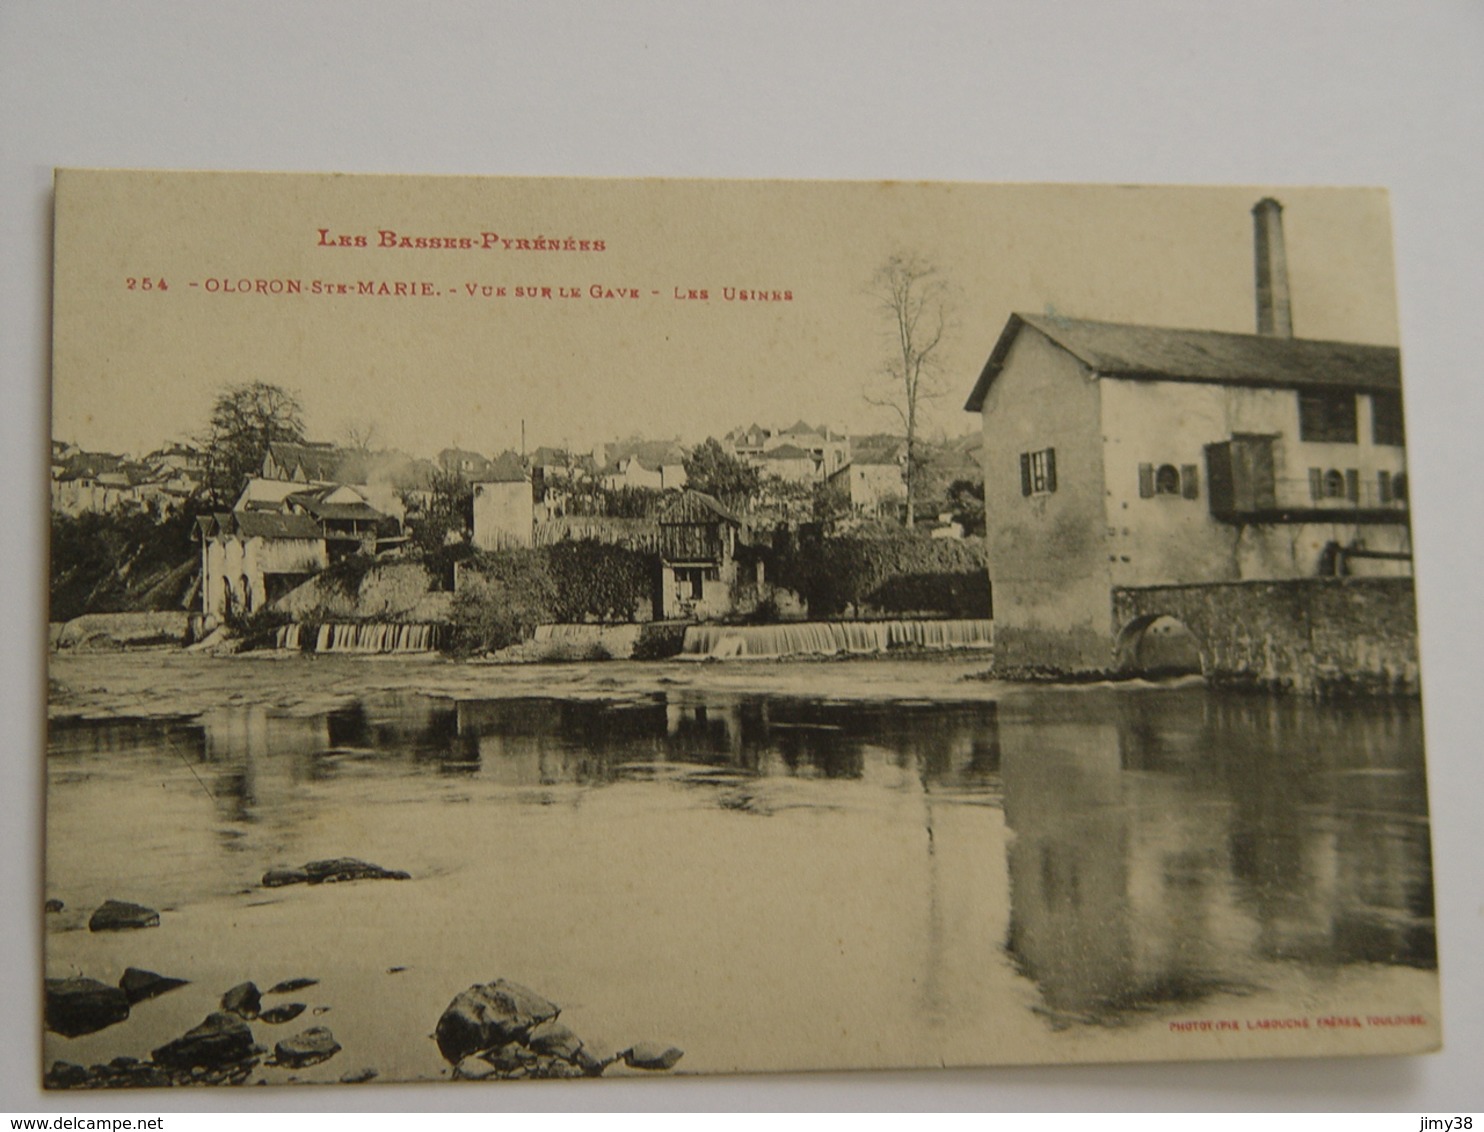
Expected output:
(89, 465)
(257, 524)
(651, 454)
(696, 507)
(315, 503)
(507, 467)
(1128, 351)
(787, 452)
(319, 461)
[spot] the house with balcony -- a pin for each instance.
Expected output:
(1119, 456)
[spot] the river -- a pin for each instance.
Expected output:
(773, 866)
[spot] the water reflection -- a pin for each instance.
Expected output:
(1171, 844)
(1163, 845)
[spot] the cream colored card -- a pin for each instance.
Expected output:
(632, 768)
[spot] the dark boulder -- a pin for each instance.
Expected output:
(358, 1076)
(120, 915)
(277, 878)
(310, 1047)
(139, 984)
(590, 1063)
(83, 1006)
(54, 906)
(652, 1055)
(65, 1075)
(244, 1000)
(280, 1014)
(556, 1038)
(348, 868)
(490, 1015)
(289, 985)
(221, 1039)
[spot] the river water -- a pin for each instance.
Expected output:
(767, 870)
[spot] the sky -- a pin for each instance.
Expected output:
(630, 329)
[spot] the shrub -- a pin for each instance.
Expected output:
(506, 594)
(901, 573)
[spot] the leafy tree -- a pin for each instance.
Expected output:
(448, 511)
(709, 467)
(914, 298)
(966, 502)
(245, 420)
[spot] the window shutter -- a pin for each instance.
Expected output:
(1383, 486)
(1352, 485)
(1316, 484)
(1051, 469)
(1190, 484)
(1025, 473)
(1146, 481)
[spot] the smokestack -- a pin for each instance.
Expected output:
(1274, 310)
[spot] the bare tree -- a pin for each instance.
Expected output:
(359, 435)
(915, 299)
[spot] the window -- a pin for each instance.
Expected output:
(1386, 419)
(1167, 479)
(1328, 415)
(690, 583)
(1334, 484)
(1038, 472)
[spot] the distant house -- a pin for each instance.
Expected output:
(250, 558)
(799, 453)
(309, 462)
(655, 464)
(699, 538)
(471, 465)
(872, 481)
(790, 463)
(1120, 455)
(379, 478)
(102, 481)
(504, 507)
(347, 522)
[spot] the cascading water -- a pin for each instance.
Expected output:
(829, 637)
(362, 637)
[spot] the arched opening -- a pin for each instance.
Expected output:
(1159, 644)
(1167, 480)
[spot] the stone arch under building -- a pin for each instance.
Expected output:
(1159, 644)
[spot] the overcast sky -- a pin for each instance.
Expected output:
(134, 368)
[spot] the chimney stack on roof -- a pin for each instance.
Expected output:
(1274, 309)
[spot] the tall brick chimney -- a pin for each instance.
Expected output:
(1274, 310)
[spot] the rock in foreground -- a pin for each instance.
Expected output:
(310, 1047)
(139, 984)
(120, 915)
(219, 1040)
(331, 871)
(83, 1006)
(652, 1055)
(488, 1016)
(243, 1000)
(503, 1030)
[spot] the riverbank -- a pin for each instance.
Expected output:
(167, 683)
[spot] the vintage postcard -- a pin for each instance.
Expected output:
(518, 628)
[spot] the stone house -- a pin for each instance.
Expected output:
(504, 505)
(1123, 456)
(250, 558)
